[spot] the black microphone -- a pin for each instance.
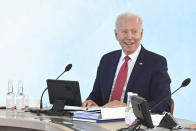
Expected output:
(67, 68)
(184, 84)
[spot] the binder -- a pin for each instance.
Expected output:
(97, 120)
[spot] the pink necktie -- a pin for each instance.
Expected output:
(120, 81)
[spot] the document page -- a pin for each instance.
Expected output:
(76, 108)
(112, 113)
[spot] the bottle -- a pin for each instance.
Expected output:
(129, 115)
(20, 98)
(10, 97)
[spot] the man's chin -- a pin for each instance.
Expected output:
(128, 51)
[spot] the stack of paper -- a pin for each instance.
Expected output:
(106, 115)
(86, 116)
(113, 113)
(76, 108)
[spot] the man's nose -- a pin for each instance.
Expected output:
(129, 35)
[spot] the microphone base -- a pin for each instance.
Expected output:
(133, 126)
(60, 113)
(51, 112)
(58, 109)
(37, 110)
(168, 122)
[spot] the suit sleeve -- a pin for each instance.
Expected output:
(95, 95)
(160, 87)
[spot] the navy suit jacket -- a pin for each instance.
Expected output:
(149, 79)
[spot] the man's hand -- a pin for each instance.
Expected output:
(114, 103)
(89, 103)
(191, 127)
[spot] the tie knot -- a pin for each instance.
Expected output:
(127, 58)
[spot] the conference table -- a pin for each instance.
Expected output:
(26, 121)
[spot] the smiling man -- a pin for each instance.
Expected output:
(132, 69)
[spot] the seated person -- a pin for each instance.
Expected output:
(132, 69)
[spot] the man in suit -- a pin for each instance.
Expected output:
(132, 69)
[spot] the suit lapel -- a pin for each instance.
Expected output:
(137, 70)
(114, 63)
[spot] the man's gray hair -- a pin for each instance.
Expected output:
(128, 15)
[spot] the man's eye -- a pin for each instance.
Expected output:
(134, 31)
(124, 32)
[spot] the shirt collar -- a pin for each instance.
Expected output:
(133, 56)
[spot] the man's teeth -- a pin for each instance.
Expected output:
(126, 43)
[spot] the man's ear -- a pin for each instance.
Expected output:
(116, 34)
(142, 32)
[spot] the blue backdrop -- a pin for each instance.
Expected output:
(38, 38)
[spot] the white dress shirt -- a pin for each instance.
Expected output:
(131, 64)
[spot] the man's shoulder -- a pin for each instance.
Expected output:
(153, 60)
(153, 55)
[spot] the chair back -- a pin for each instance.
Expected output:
(172, 106)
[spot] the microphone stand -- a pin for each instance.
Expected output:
(164, 99)
(38, 111)
(41, 105)
(67, 68)
(184, 84)
(168, 120)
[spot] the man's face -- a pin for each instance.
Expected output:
(129, 33)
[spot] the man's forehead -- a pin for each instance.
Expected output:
(132, 19)
(129, 25)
